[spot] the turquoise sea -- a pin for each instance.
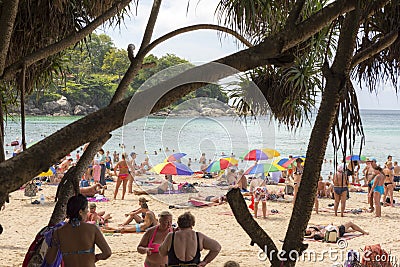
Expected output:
(217, 136)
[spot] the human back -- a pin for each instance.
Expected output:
(76, 239)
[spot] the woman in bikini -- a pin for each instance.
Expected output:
(377, 189)
(76, 239)
(152, 240)
(297, 174)
(388, 183)
(123, 174)
(183, 246)
(340, 190)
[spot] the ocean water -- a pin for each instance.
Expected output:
(217, 137)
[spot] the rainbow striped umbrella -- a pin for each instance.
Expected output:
(173, 168)
(255, 154)
(263, 168)
(175, 157)
(356, 158)
(222, 164)
(271, 153)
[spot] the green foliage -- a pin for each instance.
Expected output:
(95, 69)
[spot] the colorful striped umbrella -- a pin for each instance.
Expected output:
(271, 153)
(221, 164)
(255, 154)
(173, 168)
(263, 168)
(175, 157)
(356, 158)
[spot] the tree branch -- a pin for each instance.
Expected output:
(250, 226)
(70, 40)
(375, 48)
(294, 14)
(194, 28)
(150, 24)
(9, 12)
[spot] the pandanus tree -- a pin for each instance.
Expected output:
(294, 45)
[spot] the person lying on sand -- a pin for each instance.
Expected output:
(92, 190)
(318, 232)
(163, 187)
(216, 199)
(150, 220)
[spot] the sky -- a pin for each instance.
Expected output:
(206, 45)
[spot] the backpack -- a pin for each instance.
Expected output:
(30, 190)
(375, 256)
(353, 259)
(331, 236)
(187, 188)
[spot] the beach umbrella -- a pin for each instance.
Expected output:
(175, 157)
(271, 153)
(221, 164)
(356, 158)
(173, 168)
(263, 168)
(255, 154)
(48, 173)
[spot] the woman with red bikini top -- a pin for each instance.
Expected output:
(152, 240)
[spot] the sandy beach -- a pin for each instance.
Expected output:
(22, 220)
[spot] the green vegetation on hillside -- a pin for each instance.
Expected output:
(95, 68)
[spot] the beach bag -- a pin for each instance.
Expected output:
(353, 259)
(375, 256)
(331, 236)
(84, 183)
(30, 190)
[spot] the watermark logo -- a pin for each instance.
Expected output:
(193, 125)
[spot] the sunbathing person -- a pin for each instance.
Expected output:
(150, 220)
(92, 190)
(216, 199)
(99, 217)
(161, 189)
(318, 232)
(134, 215)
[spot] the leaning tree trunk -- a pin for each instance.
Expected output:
(69, 184)
(336, 78)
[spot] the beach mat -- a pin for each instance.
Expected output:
(330, 210)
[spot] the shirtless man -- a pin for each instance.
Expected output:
(145, 166)
(216, 199)
(231, 178)
(396, 173)
(369, 174)
(90, 191)
(163, 187)
(297, 174)
(64, 166)
(340, 189)
(242, 182)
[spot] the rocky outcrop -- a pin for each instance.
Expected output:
(61, 107)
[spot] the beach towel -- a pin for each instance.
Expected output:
(97, 199)
(200, 204)
(331, 210)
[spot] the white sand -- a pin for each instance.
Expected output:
(22, 220)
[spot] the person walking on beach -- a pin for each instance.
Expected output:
(123, 174)
(396, 174)
(153, 238)
(102, 161)
(297, 174)
(388, 184)
(258, 189)
(76, 239)
(183, 246)
(377, 189)
(340, 190)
